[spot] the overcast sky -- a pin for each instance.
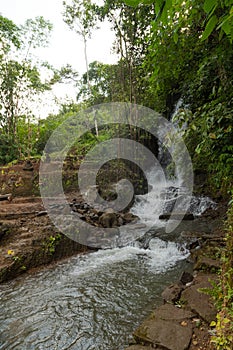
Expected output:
(65, 45)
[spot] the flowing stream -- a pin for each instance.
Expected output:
(94, 301)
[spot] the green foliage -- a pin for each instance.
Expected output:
(223, 293)
(8, 151)
(48, 125)
(218, 14)
(52, 242)
(135, 3)
(9, 35)
(219, 17)
(81, 17)
(209, 138)
(107, 83)
(20, 84)
(35, 33)
(211, 24)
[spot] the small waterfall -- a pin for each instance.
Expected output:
(149, 207)
(95, 301)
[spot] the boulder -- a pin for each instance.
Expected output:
(169, 328)
(169, 335)
(199, 302)
(129, 217)
(108, 219)
(170, 312)
(172, 293)
(186, 277)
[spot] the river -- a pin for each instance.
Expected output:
(93, 301)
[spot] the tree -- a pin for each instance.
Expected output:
(20, 79)
(107, 83)
(9, 35)
(131, 26)
(81, 17)
(35, 33)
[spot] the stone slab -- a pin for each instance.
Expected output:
(199, 302)
(169, 312)
(167, 334)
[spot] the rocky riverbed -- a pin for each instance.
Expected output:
(28, 238)
(183, 321)
(29, 241)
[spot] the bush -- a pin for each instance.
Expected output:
(223, 337)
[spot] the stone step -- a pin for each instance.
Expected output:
(168, 327)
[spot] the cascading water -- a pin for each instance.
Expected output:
(94, 301)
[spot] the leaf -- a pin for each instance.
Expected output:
(198, 148)
(158, 6)
(148, 2)
(212, 136)
(226, 320)
(193, 127)
(226, 26)
(213, 324)
(211, 24)
(133, 3)
(209, 5)
(165, 10)
(176, 37)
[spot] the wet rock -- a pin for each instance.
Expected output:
(199, 302)
(129, 217)
(169, 192)
(136, 226)
(169, 328)
(108, 220)
(176, 216)
(186, 277)
(194, 244)
(42, 213)
(172, 313)
(172, 293)
(167, 334)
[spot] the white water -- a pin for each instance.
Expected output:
(148, 207)
(158, 258)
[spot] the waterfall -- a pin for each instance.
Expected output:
(95, 301)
